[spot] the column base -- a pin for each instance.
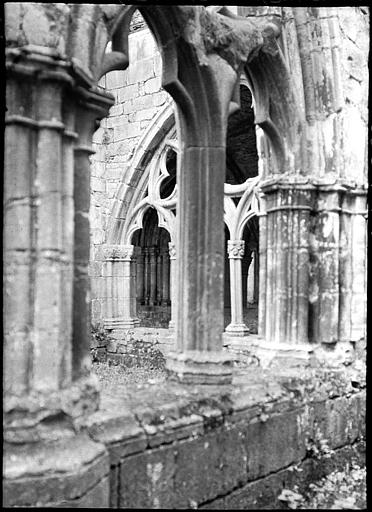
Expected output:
(172, 325)
(71, 472)
(32, 418)
(237, 330)
(196, 367)
(285, 354)
(121, 323)
(334, 355)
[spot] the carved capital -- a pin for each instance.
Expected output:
(118, 252)
(235, 249)
(172, 250)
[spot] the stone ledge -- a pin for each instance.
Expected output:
(194, 367)
(120, 432)
(263, 493)
(45, 416)
(41, 473)
(171, 444)
(141, 417)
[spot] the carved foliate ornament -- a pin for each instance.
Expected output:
(235, 249)
(172, 250)
(118, 252)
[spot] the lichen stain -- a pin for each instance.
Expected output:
(154, 472)
(328, 228)
(314, 293)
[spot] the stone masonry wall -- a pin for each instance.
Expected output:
(232, 448)
(212, 447)
(138, 97)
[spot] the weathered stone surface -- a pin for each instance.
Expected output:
(243, 439)
(123, 435)
(204, 471)
(52, 472)
(263, 494)
(284, 443)
(97, 497)
(146, 479)
(310, 98)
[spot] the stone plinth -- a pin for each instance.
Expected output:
(69, 472)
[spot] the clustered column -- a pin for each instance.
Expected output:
(237, 327)
(81, 284)
(166, 276)
(46, 189)
(251, 286)
(325, 247)
(140, 270)
(120, 273)
(338, 254)
(284, 269)
(52, 110)
(173, 284)
(153, 277)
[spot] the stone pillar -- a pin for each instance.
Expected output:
(140, 276)
(338, 284)
(325, 247)
(262, 220)
(245, 270)
(121, 280)
(285, 289)
(159, 279)
(52, 107)
(199, 356)
(42, 201)
(81, 285)
(146, 275)
(256, 270)
(237, 327)
(165, 259)
(173, 284)
(153, 276)
(359, 258)
(205, 92)
(36, 354)
(251, 280)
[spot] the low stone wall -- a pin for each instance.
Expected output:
(168, 445)
(228, 447)
(132, 347)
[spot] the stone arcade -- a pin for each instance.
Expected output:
(210, 437)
